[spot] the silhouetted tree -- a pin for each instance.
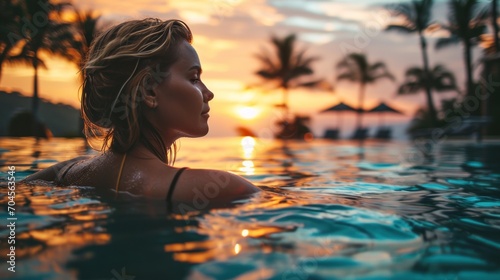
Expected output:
(286, 66)
(466, 25)
(11, 13)
(356, 68)
(491, 72)
(86, 29)
(494, 23)
(416, 17)
(298, 128)
(45, 33)
(439, 79)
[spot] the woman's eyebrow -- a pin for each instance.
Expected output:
(196, 67)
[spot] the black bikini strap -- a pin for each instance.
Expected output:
(174, 182)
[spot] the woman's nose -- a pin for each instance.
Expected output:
(208, 94)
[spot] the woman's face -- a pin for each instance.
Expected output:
(182, 97)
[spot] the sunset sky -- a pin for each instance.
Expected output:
(227, 35)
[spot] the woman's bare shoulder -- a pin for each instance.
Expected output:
(53, 172)
(213, 185)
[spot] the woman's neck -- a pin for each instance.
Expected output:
(140, 151)
(154, 148)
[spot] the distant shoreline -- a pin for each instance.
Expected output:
(63, 120)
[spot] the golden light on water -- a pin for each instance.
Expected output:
(248, 146)
(237, 249)
(248, 167)
(54, 237)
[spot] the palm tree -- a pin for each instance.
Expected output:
(286, 66)
(466, 25)
(356, 68)
(11, 13)
(494, 23)
(491, 71)
(439, 79)
(51, 36)
(416, 17)
(86, 28)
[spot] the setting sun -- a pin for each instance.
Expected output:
(248, 112)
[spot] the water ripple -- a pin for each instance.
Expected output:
(324, 234)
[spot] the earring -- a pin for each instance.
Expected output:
(154, 104)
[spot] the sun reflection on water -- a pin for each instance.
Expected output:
(248, 145)
(237, 248)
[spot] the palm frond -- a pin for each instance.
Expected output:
(302, 60)
(348, 76)
(26, 60)
(444, 80)
(353, 67)
(344, 63)
(446, 86)
(439, 79)
(407, 28)
(311, 84)
(465, 15)
(377, 66)
(423, 13)
(360, 60)
(378, 76)
(416, 15)
(446, 42)
(377, 71)
(284, 49)
(476, 32)
(267, 62)
(414, 72)
(87, 23)
(410, 88)
(267, 74)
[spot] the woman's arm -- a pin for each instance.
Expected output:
(51, 173)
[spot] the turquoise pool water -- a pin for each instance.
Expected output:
(329, 210)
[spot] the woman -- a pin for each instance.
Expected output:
(142, 91)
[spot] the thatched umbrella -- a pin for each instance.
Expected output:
(339, 108)
(381, 109)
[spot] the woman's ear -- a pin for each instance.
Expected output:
(150, 99)
(150, 96)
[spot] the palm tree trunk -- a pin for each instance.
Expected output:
(468, 68)
(3, 56)
(428, 92)
(35, 99)
(361, 98)
(495, 24)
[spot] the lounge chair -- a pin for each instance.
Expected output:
(383, 133)
(331, 134)
(360, 133)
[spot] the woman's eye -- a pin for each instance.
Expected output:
(195, 80)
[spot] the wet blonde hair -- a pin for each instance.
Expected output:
(124, 63)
